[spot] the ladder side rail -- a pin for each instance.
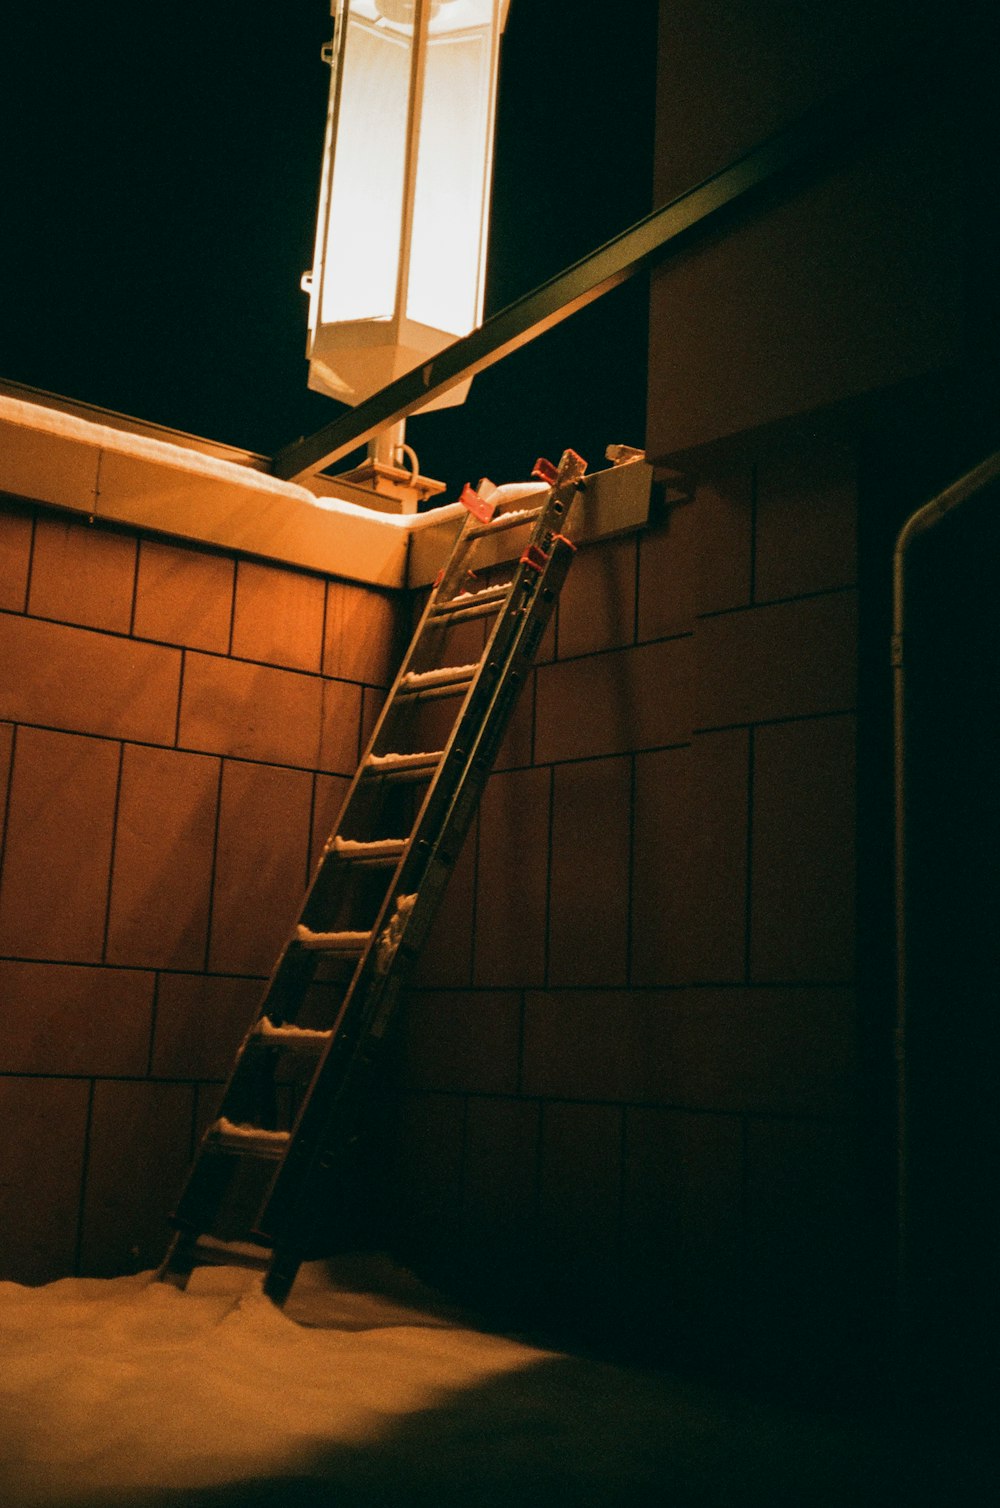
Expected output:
(496, 654)
(450, 572)
(515, 625)
(453, 826)
(332, 1105)
(291, 958)
(497, 651)
(216, 1166)
(466, 716)
(450, 578)
(407, 877)
(500, 649)
(294, 967)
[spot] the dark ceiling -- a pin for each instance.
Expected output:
(158, 183)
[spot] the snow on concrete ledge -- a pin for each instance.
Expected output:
(58, 458)
(53, 456)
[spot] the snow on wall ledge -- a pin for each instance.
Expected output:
(58, 458)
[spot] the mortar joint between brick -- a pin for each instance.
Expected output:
(220, 654)
(213, 868)
(621, 649)
(4, 830)
(759, 605)
(607, 754)
(232, 606)
(630, 875)
(637, 567)
(536, 1182)
(195, 1117)
(31, 559)
(548, 876)
(153, 1007)
(322, 632)
(768, 722)
(360, 748)
(534, 715)
(135, 587)
(180, 699)
(521, 1022)
(111, 856)
(620, 1233)
(313, 800)
(267, 764)
(462, 1156)
(474, 892)
(748, 880)
(743, 1236)
(753, 532)
(88, 628)
(84, 1175)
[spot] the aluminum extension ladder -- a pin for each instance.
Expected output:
(257, 1193)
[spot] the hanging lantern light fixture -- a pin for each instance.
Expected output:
(401, 233)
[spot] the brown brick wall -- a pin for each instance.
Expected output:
(630, 1085)
(630, 1066)
(857, 280)
(176, 730)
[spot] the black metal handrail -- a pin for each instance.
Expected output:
(793, 156)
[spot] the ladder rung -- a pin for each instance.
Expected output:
(431, 683)
(298, 1038)
(402, 766)
(383, 851)
(261, 1186)
(209, 1251)
(515, 519)
(252, 1141)
(347, 944)
(473, 604)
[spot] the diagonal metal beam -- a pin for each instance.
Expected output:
(803, 148)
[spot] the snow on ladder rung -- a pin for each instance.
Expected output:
(447, 681)
(301, 1038)
(378, 852)
(345, 944)
(254, 1141)
(210, 1251)
(473, 604)
(512, 520)
(402, 766)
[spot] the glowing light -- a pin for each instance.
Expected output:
(449, 211)
(400, 241)
(364, 224)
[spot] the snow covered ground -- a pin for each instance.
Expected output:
(127, 1392)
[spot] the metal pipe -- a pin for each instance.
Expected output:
(384, 447)
(926, 517)
(804, 146)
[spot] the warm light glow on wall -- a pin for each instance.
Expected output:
(401, 232)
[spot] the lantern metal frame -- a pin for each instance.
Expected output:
(352, 358)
